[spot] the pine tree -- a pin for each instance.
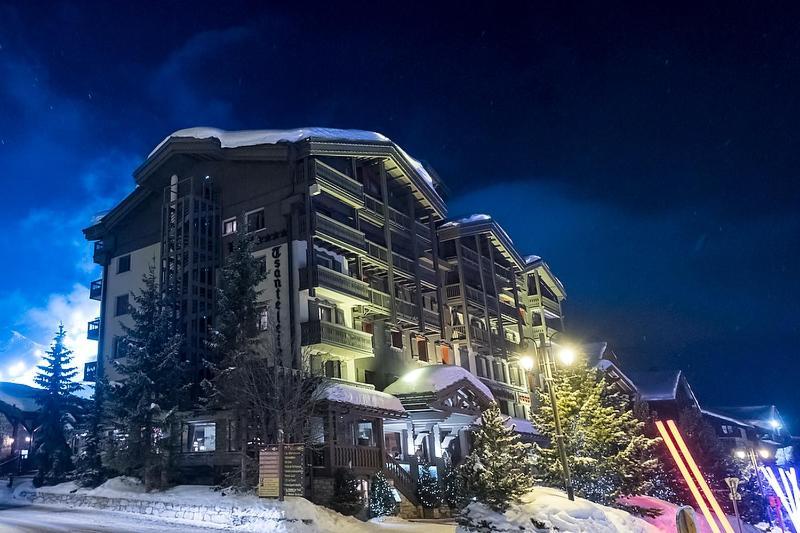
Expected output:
(429, 492)
(239, 374)
(153, 385)
(608, 452)
(498, 470)
(91, 471)
(381, 497)
(58, 412)
(453, 489)
(346, 494)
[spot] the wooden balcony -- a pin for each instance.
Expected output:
(338, 184)
(96, 290)
(93, 330)
(337, 285)
(407, 311)
(339, 234)
(362, 459)
(537, 300)
(336, 339)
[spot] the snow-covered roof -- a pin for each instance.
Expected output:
(656, 386)
(721, 416)
(434, 378)
(19, 396)
(466, 220)
(530, 259)
(237, 139)
(521, 425)
(760, 416)
(360, 396)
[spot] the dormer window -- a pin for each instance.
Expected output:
(229, 226)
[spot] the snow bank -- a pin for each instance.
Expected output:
(552, 509)
(666, 520)
(196, 504)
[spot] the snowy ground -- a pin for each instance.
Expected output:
(545, 507)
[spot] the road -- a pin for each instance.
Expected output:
(37, 518)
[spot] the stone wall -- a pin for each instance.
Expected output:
(228, 515)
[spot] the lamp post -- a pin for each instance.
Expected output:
(751, 454)
(567, 358)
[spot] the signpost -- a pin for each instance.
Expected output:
(269, 472)
(281, 471)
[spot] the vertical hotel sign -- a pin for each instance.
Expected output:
(277, 293)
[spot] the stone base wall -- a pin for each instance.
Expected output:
(217, 514)
(322, 490)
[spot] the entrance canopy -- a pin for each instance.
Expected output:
(441, 387)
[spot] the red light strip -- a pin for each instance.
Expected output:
(687, 476)
(699, 477)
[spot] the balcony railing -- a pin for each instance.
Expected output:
(337, 282)
(406, 310)
(339, 184)
(339, 233)
(96, 290)
(93, 330)
(536, 300)
(336, 339)
(380, 300)
(431, 317)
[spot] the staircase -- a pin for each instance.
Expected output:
(403, 481)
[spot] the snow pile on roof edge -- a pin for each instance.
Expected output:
(354, 395)
(433, 378)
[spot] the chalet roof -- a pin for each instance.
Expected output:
(431, 379)
(520, 425)
(17, 399)
(360, 397)
(760, 416)
(481, 223)
(656, 385)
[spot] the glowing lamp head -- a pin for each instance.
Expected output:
(764, 453)
(526, 362)
(566, 355)
(774, 424)
(740, 454)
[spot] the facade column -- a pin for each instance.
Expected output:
(387, 233)
(485, 299)
(500, 328)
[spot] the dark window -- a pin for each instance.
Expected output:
(120, 347)
(397, 339)
(333, 369)
(422, 349)
(255, 221)
(123, 264)
(122, 307)
(369, 377)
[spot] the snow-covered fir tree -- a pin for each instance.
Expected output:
(89, 466)
(498, 469)
(381, 497)
(239, 375)
(429, 492)
(59, 407)
(347, 497)
(152, 388)
(608, 452)
(453, 488)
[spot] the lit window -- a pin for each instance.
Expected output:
(364, 433)
(122, 306)
(263, 319)
(229, 226)
(124, 264)
(202, 437)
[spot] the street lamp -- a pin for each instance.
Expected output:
(764, 453)
(567, 358)
(566, 355)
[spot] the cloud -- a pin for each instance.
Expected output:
(22, 353)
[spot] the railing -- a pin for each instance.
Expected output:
(431, 317)
(356, 457)
(378, 252)
(380, 299)
(338, 181)
(403, 481)
(536, 300)
(93, 330)
(339, 231)
(339, 282)
(318, 332)
(373, 208)
(406, 310)
(476, 334)
(96, 290)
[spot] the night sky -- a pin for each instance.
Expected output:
(651, 157)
